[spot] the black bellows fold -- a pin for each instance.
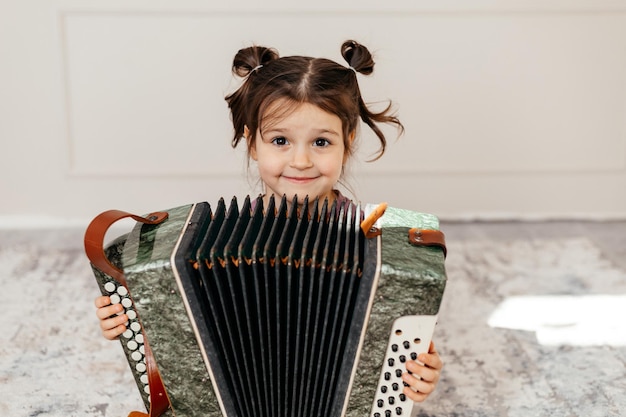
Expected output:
(283, 298)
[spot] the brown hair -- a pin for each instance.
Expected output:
(299, 79)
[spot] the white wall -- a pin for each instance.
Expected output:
(512, 109)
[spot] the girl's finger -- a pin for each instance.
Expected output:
(432, 358)
(422, 372)
(114, 322)
(108, 311)
(102, 301)
(417, 389)
(114, 333)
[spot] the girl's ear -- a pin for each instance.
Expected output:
(251, 146)
(346, 154)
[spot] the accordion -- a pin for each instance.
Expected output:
(275, 310)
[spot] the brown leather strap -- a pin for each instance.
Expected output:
(96, 231)
(159, 401)
(427, 237)
(367, 225)
(94, 248)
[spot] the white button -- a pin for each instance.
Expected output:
(109, 286)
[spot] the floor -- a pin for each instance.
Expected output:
(54, 363)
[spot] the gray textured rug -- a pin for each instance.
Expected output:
(53, 362)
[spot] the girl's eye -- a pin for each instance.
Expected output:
(321, 142)
(279, 141)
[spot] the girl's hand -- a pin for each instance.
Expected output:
(423, 378)
(111, 325)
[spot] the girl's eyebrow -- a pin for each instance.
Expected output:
(319, 131)
(331, 131)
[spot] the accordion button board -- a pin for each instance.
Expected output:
(278, 312)
(410, 336)
(132, 338)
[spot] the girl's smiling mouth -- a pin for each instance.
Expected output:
(299, 180)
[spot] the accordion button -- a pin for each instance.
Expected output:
(380, 403)
(413, 355)
(115, 299)
(376, 414)
(398, 411)
(390, 361)
(402, 358)
(387, 376)
(127, 303)
(128, 334)
(387, 413)
(402, 397)
(392, 400)
(122, 290)
(140, 367)
(132, 345)
(383, 389)
(135, 326)
(394, 386)
(398, 373)
(109, 286)
(406, 344)
(131, 314)
(394, 347)
(137, 356)
(139, 338)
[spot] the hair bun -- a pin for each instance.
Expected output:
(358, 57)
(248, 59)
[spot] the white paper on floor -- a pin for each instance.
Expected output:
(574, 320)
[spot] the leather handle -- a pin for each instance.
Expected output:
(427, 237)
(159, 401)
(96, 231)
(367, 225)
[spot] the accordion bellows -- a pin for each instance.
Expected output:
(278, 311)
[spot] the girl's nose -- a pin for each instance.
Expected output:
(301, 159)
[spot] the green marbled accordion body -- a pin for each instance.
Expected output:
(268, 312)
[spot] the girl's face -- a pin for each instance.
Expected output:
(301, 153)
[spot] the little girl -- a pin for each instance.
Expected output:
(299, 116)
